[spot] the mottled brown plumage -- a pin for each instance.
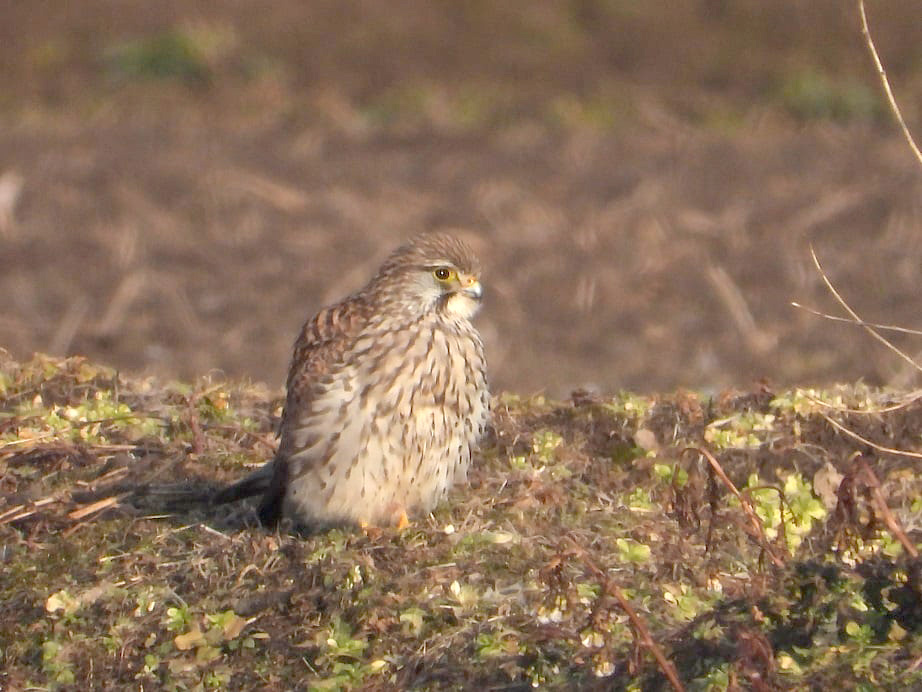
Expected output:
(387, 396)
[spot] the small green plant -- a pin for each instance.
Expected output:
(687, 602)
(798, 513)
(671, 473)
(149, 670)
(62, 601)
(741, 431)
(56, 664)
(496, 644)
(173, 54)
(463, 597)
(628, 404)
(632, 551)
(342, 654)
(717, 679)
(223, 629)
(544, 443)
(413, 620)
(178, 618)
(805, 401)
(810, 94)
(639, 500)
(93, 420)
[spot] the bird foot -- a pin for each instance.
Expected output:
(400, 522)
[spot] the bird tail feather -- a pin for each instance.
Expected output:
(257, 483)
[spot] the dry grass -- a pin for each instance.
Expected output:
(763, 539)
(740, 540)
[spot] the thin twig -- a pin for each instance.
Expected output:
(97, 506)
(27, 440)
(873, 445)
(744, 503)
(886, 82)
(646, 639)
(911, 398)
(26, 510)
(215, 532)
(889, 518)
(859, 323)
(870, 330)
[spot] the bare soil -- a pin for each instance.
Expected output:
(184, 187)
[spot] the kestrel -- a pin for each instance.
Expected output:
(387, 396)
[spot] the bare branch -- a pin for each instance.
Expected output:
(886, 83)
(870, 329)
(890, 519)
(836, 318)
(754, 521)
(880, 448)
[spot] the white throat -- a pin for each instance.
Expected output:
(462, 306)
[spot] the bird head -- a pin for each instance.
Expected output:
(434, 273)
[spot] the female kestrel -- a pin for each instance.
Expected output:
(387, 396)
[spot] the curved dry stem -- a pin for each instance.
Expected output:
(911, 398)
(754, 520)
(866, 326)
(886, 82)
(859, 323)
(863, 440)
(889, 517)
(642, 632)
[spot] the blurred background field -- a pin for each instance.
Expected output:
(182, 183)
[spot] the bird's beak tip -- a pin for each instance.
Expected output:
(474, 290)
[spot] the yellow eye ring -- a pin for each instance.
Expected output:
(443, 273)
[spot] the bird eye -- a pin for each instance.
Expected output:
(443, 273)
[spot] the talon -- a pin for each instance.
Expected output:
(403, 521)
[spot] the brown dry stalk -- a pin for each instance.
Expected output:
(876, 493)
(880, 448)
(911, 398)
(744, 503)
(645, 637)
(95, 507)
(640, 627)
(854, 315)
(876, 325)
(198, 438)
(889, 518)
(23, 511)
(882, 73)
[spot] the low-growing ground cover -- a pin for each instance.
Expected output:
(749, 539)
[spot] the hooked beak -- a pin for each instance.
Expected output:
(471, 287)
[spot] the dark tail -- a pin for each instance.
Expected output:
(269, 481)
(257, 483)
(270, 509)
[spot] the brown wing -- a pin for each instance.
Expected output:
(319, 347)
